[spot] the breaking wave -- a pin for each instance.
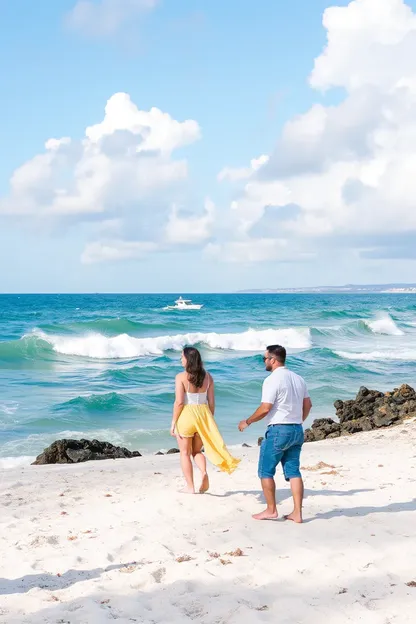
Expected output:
(384, 324)
(98, 346)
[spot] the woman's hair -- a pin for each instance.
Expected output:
(194, 366)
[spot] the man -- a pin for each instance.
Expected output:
(286, 403)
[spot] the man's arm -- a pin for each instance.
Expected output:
(307, 406)
(260, 413)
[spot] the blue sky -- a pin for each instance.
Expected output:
(240, 71)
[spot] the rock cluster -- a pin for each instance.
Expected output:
(76, 451)
(370, 410)
(172, 451)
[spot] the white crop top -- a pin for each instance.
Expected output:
(196, 398)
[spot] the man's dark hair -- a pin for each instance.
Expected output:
(278, 352)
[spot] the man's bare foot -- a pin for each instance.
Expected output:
(266, 515)
(187, 490)
(295, 516)
(204, 485)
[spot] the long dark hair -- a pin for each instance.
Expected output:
(194, 366)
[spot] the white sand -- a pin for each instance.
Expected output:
(99, 542)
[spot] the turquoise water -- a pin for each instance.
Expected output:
(104, 365)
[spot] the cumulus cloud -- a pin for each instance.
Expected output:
(123, 175)
(104, 18)
(190, 229)
(123, 161)
(368, 43)
(348, 168)
(235, 174)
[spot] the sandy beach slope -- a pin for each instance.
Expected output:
(114, 541)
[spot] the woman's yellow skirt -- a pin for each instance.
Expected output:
(198, 419)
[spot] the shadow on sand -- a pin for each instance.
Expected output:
(51, 581)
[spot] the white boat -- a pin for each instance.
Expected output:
(184, 304)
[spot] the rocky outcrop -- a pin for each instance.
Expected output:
(172, 451)
(76, 451)
(371, 409)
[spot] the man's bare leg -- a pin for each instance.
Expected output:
(296, 486)
(269, 491)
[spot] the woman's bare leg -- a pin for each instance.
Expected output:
(185, 447)
(201, 462)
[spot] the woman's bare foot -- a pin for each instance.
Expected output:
(266, 515)
(187, 490)
(204, 485)
(295, 516)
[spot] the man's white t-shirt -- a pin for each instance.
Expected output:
(286, 391)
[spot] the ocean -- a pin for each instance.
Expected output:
(103, 366)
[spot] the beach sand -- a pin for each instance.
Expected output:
(115, 541)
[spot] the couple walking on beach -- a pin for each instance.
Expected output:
(285, 403)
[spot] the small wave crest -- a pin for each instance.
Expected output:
(8, 463)
(109, 401)
(408, 355)
(29, 347)
(384, 324)
(9, 408)
(123, 346)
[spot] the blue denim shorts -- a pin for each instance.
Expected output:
(282, 443)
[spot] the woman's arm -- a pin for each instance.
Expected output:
(211, 395)
(179, 403)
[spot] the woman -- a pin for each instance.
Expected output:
(193, 422)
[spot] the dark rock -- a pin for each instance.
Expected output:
(350, 411)
(173, 451)
(76, 451)
(159, 453)
(259, 441)
(385, 417)
(324, 427)
(371, 409)
(76, 457)
(356, 426)
(310, 435)
(408, 409)
(407, 392)
(323, 422)
(246, 445)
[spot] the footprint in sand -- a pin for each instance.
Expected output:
(159, 574)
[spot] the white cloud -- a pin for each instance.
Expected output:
(103, 18)
(157, 130)
(235, 174)
(370, 42)
(348, 169)
(190, 230)
(122, 176)
(124, 161)
(116, 250)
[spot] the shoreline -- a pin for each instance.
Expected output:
(115, 540)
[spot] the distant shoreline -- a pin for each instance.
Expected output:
(374, 289)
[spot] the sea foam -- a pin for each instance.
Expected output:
(96, 345)
(405, 355)
(384, 324)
